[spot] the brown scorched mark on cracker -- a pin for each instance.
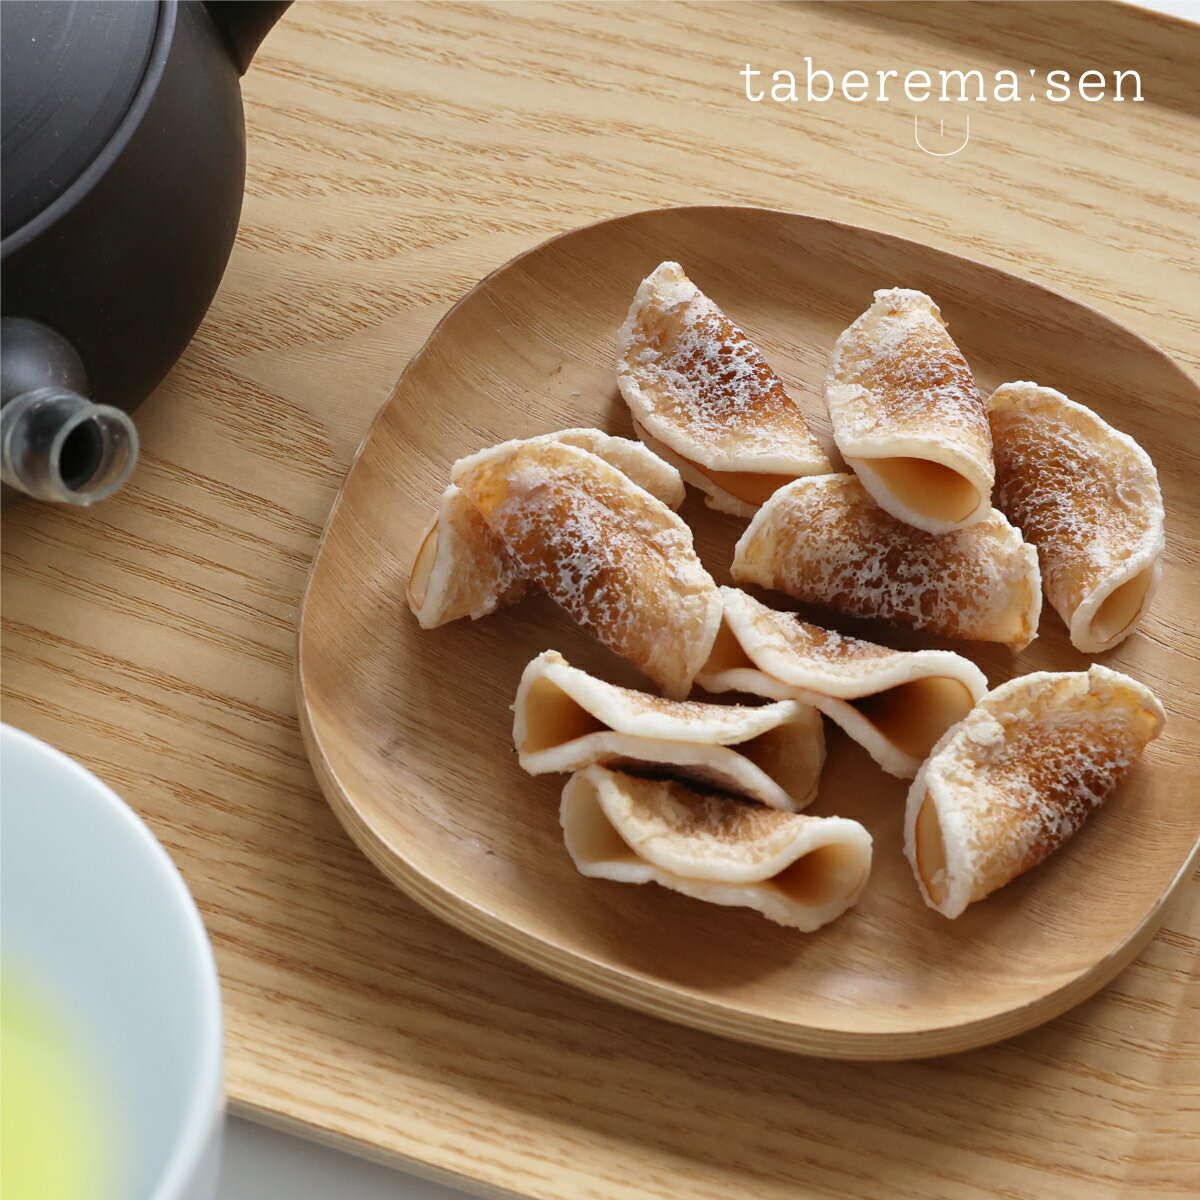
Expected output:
(1087, 496)
(702, 395)
(907, 415)
(823, 540)
(613, 556)
(1018, 776)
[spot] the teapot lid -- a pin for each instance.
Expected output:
(68, 74)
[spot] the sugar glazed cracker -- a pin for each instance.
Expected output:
(461, 568)
(908, 417)
(895, 703)
(565, 720)
(703, 397)
(702, 798)
(613, 556)
(1087, 496)
(796, 870)
(825, 541)
(1016, 779)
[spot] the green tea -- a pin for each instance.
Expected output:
(55, 1140)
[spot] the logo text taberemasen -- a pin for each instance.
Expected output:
(815, 85)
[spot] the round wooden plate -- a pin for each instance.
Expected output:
(410, 732)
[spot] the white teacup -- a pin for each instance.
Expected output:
(98, 925)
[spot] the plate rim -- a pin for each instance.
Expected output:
(609, 982)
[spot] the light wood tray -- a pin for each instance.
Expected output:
(396, 154)
(410, 730)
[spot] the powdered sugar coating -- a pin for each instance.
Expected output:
(896, 704)
(627, 710)
(1085, 494)
(709, 829)
(825, 541)
(631, 458)
(799, 871)
(785, 636)
(696, 383)
(1019, 775)
(897, 373)
(634, 459)
(617, 559)
(471, 574)
(807, 656)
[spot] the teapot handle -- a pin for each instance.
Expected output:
(244, 24)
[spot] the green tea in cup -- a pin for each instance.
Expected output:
(57, 1135)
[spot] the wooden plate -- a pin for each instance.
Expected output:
(410, 732)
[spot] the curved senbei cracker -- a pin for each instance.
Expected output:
(895, 703)
(1015, 779)
(613, 556)
(1087, 496)
(908, 417)
(796, 870)
(701, 393)
(461, 568)
(566, 719)
(825, 541)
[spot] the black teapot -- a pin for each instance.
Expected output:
(123, 166)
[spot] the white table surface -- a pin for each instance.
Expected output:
(265, 1164)
(1188, 9)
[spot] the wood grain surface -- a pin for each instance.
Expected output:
(397, 153)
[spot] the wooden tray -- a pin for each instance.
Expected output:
(396, 154)
(410, 731)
